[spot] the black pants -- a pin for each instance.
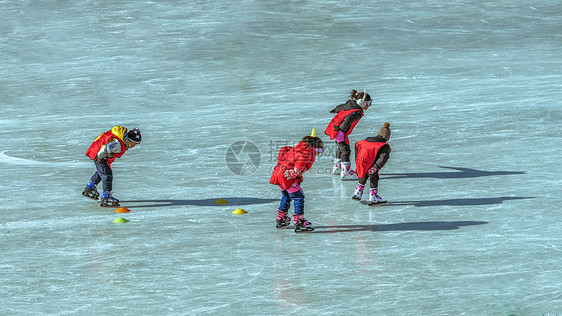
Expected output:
(343, 151)
(374, 177)
(103, 174)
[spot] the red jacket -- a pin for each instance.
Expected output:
(366, 154)
(300, 158)
(337, 121)
(117, 132)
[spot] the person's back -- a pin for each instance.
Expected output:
(371, 155)
(341, 126)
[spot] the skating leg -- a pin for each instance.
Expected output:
(358, 192)
(347, 173)
(91, 191)
(336, 170)
(107, 200)
(301, 224)
(374, 197)
(283, 220)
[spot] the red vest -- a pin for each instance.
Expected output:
(366, 154)
(301, 158)
(336, 121)
(116, 132)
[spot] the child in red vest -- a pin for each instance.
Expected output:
(287, 174)
(348, 115)
(104, 150)
(371, 154)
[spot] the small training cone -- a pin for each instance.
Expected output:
(221, 201)
(120, 220)
(122, 210)
(313, 133)
(239, 211)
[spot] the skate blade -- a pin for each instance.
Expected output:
(355, 198)
(93, 197)
(110, 205)
(372, 204)
(282, 226)
(304, 229)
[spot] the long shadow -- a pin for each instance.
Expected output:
(415, 226)
(233, 201)
(458, 174)
(459, 202)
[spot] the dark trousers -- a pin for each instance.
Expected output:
(297, 197)
(374, 177)
(103, 174)
(343, 151)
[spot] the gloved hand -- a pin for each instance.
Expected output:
(291, 174)
(372, 170)
(337, 128)
(333, 111)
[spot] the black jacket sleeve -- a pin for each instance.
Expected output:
(382, 157)
(348, 120)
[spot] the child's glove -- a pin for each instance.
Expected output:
(372, 170)
(291, 174)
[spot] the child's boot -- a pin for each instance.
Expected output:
(282, 219)
(347, 173)
(301, 224)
(91, 191)
(107, 200)
(374, 197)
(358, 192)
(336, 170)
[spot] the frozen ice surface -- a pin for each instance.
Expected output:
(472, 91)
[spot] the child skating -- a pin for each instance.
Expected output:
(287, 174)
(104, 150)
(341, 126)
(371, 154)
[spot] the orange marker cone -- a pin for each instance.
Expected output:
(122, 210)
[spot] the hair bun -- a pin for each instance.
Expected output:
(386, 124)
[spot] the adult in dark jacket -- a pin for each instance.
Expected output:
(371, 154)
(348, 115)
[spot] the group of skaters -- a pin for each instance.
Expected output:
(371, 154)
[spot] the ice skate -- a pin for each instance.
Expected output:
(358, 192)
(107, 200)
(336, 170)
(346, 172)
(90, 191)
(283, 220)
(301, 224)
(374, 197)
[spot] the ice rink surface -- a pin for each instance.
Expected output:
(472, 91)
